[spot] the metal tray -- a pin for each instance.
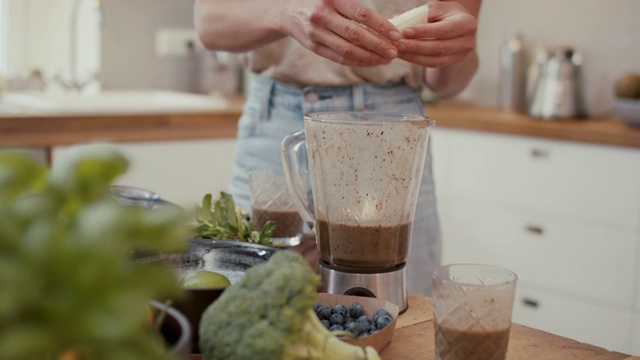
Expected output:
(230, 258)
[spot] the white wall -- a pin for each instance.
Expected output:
(606, 32)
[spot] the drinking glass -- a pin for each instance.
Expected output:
(472, 307)
(272, 201)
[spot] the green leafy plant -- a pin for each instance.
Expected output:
(227, 221)
(68, 286)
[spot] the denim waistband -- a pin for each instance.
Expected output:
(357, 97)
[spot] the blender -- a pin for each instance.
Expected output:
(355, 177)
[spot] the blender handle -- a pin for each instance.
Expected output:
(296, 171)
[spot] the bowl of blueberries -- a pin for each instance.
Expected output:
(364, 321)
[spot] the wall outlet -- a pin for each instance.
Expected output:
(177, 42)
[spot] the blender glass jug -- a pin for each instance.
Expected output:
(363, 175)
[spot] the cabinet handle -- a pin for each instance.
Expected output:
(532, 303)
(535, 229)
(539, 153)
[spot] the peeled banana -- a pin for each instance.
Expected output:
(415, 16)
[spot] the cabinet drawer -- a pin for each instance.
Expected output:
(599, 183)
(635, 335)
(609, 328)
(440, 154)
(637, 283)
(574, 257)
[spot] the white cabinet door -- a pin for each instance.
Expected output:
(179, 171)
(635, 335)
(555, 252)
(598, 183)
(439, 141)
(565, 216)
(607, 327)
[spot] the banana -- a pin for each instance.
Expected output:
(415, 16)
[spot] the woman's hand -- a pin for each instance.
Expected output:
(332, 29)
(449, 37)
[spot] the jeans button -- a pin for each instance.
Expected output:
(312, 97)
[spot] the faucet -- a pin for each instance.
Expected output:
(74, 83)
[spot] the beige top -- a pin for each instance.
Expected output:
(291, 62)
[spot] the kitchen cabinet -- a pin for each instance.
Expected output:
(635, 335)
(565, 216)
(592, 323)
(179, 171)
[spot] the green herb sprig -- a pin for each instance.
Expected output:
(227, 221)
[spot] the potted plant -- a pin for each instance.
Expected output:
(68, 287)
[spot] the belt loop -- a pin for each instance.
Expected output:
(265, 114)
(357, 97)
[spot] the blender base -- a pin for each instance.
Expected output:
(390, 285)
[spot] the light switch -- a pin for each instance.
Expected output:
(176, 42)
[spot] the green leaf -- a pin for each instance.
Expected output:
(205, 209)
(227, 221)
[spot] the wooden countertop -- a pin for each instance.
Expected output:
(464, 115)
(414, 336)
(413, 339)
(48, 130)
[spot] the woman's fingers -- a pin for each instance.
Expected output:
(437, 47)
(456, 26)
(354, 10)
(325, 43)
(432, 61)
(358, 25)
(450, 36)
(435, 53)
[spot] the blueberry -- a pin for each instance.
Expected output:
(336, 319)
(336, 328)
(356, 310)
(324, 312)
(383, 320)
(325, 323)
(348, 319)
(379, 313)
(341, 309)
(357, 328)
(365, 320)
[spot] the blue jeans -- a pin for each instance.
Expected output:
(274, 109)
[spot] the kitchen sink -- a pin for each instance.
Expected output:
(113, 101)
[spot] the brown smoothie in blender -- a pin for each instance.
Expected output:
(363, 247)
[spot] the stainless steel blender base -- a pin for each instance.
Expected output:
(390, 285)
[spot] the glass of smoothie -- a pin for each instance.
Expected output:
(272, 201)
(472, 307)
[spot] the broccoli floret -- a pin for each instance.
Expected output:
(268, 314)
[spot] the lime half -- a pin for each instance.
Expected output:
(203, 279)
